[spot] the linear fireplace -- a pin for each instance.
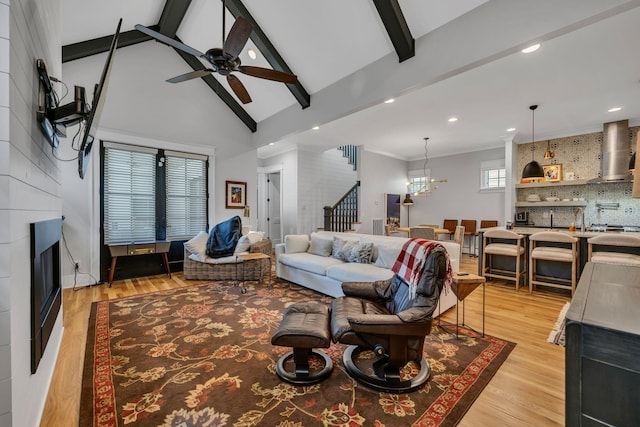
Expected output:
(46, 297)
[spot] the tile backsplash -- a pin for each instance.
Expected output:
(579, 156)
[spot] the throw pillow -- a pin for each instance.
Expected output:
(244, 244)
(361, 253)
(255, 236)
(295, 243)
(336, 246)
(387, 256)
(198, 245)
(319, 246)
(345, 252)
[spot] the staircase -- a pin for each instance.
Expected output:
(351, 153)
(343, 216)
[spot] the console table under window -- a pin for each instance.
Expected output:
(160, 247)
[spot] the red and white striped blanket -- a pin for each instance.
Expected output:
(410, 263)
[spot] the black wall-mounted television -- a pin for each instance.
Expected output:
(91, 125)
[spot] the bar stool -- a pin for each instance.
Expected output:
(450, 224)
(470, 231)
(486, 223)
(551, 251)
(610, 249)
(508, 244)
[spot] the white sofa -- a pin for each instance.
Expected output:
(297, 261)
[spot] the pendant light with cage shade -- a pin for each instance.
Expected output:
(532, 170)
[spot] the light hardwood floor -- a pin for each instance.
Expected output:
(528, 390)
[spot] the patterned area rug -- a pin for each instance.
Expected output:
(557, 334)
(202, 356)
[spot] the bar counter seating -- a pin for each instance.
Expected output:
(610, 249)
(505, 244)
(552, 247)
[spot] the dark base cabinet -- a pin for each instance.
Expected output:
(603, 348)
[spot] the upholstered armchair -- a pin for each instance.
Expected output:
(381, 317)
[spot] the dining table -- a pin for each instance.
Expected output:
(437, 231)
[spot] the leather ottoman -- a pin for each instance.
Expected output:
(304, 326)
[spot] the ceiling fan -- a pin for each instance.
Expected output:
(225, 60)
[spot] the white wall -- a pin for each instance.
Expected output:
(186, 117)
(239, 168)
(140, 103)
(29, 192)
(379, 174)
(288, 162)
(460, 197)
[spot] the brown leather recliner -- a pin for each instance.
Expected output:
(381, 317)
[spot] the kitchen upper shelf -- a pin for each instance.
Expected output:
(553, 184)
(545, 203)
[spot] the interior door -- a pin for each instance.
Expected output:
(274, 227)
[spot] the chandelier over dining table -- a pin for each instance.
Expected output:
(427, 187)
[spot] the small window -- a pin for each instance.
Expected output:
(493, 175)
(418, 182)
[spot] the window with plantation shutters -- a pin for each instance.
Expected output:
(151, 194)
(186, 199)
(129, 195)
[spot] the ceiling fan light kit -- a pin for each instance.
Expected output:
(225, 60)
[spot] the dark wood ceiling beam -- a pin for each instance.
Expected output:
(215, 85)
(172, 16)
(79, 50)
(170, 20)
(269, 51)
(397, 28)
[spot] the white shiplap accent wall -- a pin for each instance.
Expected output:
(29, 192)
(322, 180)
(5, 270)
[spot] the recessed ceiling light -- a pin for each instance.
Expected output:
(389, 101)
(315, 127)
(511, 130)
(452, 119)
(252, 54)
(614, 109)
(532, 48)
(272, 143)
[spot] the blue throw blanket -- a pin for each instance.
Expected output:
(224, 237)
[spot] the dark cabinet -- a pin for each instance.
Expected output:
(602, 359)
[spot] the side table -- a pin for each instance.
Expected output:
(462, 286)
(251, 257)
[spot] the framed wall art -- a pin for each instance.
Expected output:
(392, 210)
(236, 194)
(552, 172)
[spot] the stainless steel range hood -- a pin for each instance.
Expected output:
(615, 153)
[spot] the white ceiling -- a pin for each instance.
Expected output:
(583, 68)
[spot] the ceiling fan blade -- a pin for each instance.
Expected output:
(168, 41)
(238, 89)
(269, 74)
(237, 38)
(190, 75)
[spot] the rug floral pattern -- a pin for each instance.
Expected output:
(202, 356)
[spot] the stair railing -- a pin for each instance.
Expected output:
(342, 215)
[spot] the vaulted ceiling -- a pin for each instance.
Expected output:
(438, 59)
